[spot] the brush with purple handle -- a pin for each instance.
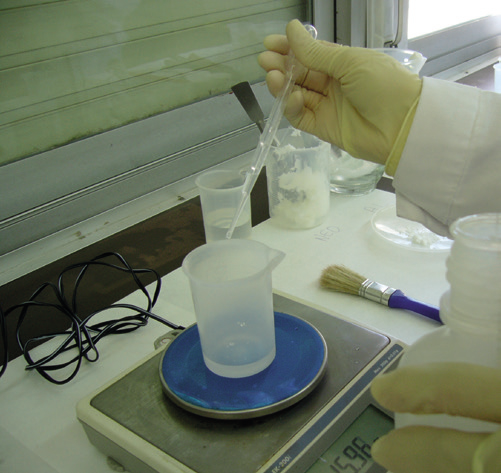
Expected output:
(342, 279)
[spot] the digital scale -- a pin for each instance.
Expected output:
(330, 428)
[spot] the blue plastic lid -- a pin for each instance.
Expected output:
(299, 364)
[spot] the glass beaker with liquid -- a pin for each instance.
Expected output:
(220, 193)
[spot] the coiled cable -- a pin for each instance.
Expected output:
(79, 340)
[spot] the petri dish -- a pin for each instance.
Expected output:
(406, 233)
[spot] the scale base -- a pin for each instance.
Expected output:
(132, 421)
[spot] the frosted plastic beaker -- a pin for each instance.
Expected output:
(297, 174)
(232, 294)
(220, 193)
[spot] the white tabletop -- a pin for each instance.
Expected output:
(39, 430)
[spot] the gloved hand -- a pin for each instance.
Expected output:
(451, 388)
(361, 100)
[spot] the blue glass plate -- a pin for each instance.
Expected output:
(298, 367)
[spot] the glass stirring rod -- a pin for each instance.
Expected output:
(269, 132)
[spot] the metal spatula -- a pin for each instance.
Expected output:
(243, 92)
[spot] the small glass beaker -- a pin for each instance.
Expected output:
(411, 60)
(232, 294)
(297, 173)
(353, 176)
(220, 194)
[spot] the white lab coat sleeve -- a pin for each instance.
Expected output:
(451, 163)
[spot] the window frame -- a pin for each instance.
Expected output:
(449, 52)
(455, 50)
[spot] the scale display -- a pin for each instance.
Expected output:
(351, 452)
(133, 421)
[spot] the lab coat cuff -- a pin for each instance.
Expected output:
(396, 152)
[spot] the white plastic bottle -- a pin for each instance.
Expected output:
(470, 310)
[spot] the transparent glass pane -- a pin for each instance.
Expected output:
(428, 16)
(73, 69)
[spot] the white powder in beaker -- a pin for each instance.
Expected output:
(302, 197)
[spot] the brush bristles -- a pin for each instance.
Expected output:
(341, 279)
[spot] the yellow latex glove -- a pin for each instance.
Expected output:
(451, 388)
(361, 100)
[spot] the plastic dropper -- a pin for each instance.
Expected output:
(268, 135)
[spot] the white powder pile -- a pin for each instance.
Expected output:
(421, 236)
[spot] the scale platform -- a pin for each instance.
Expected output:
(330, 430)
